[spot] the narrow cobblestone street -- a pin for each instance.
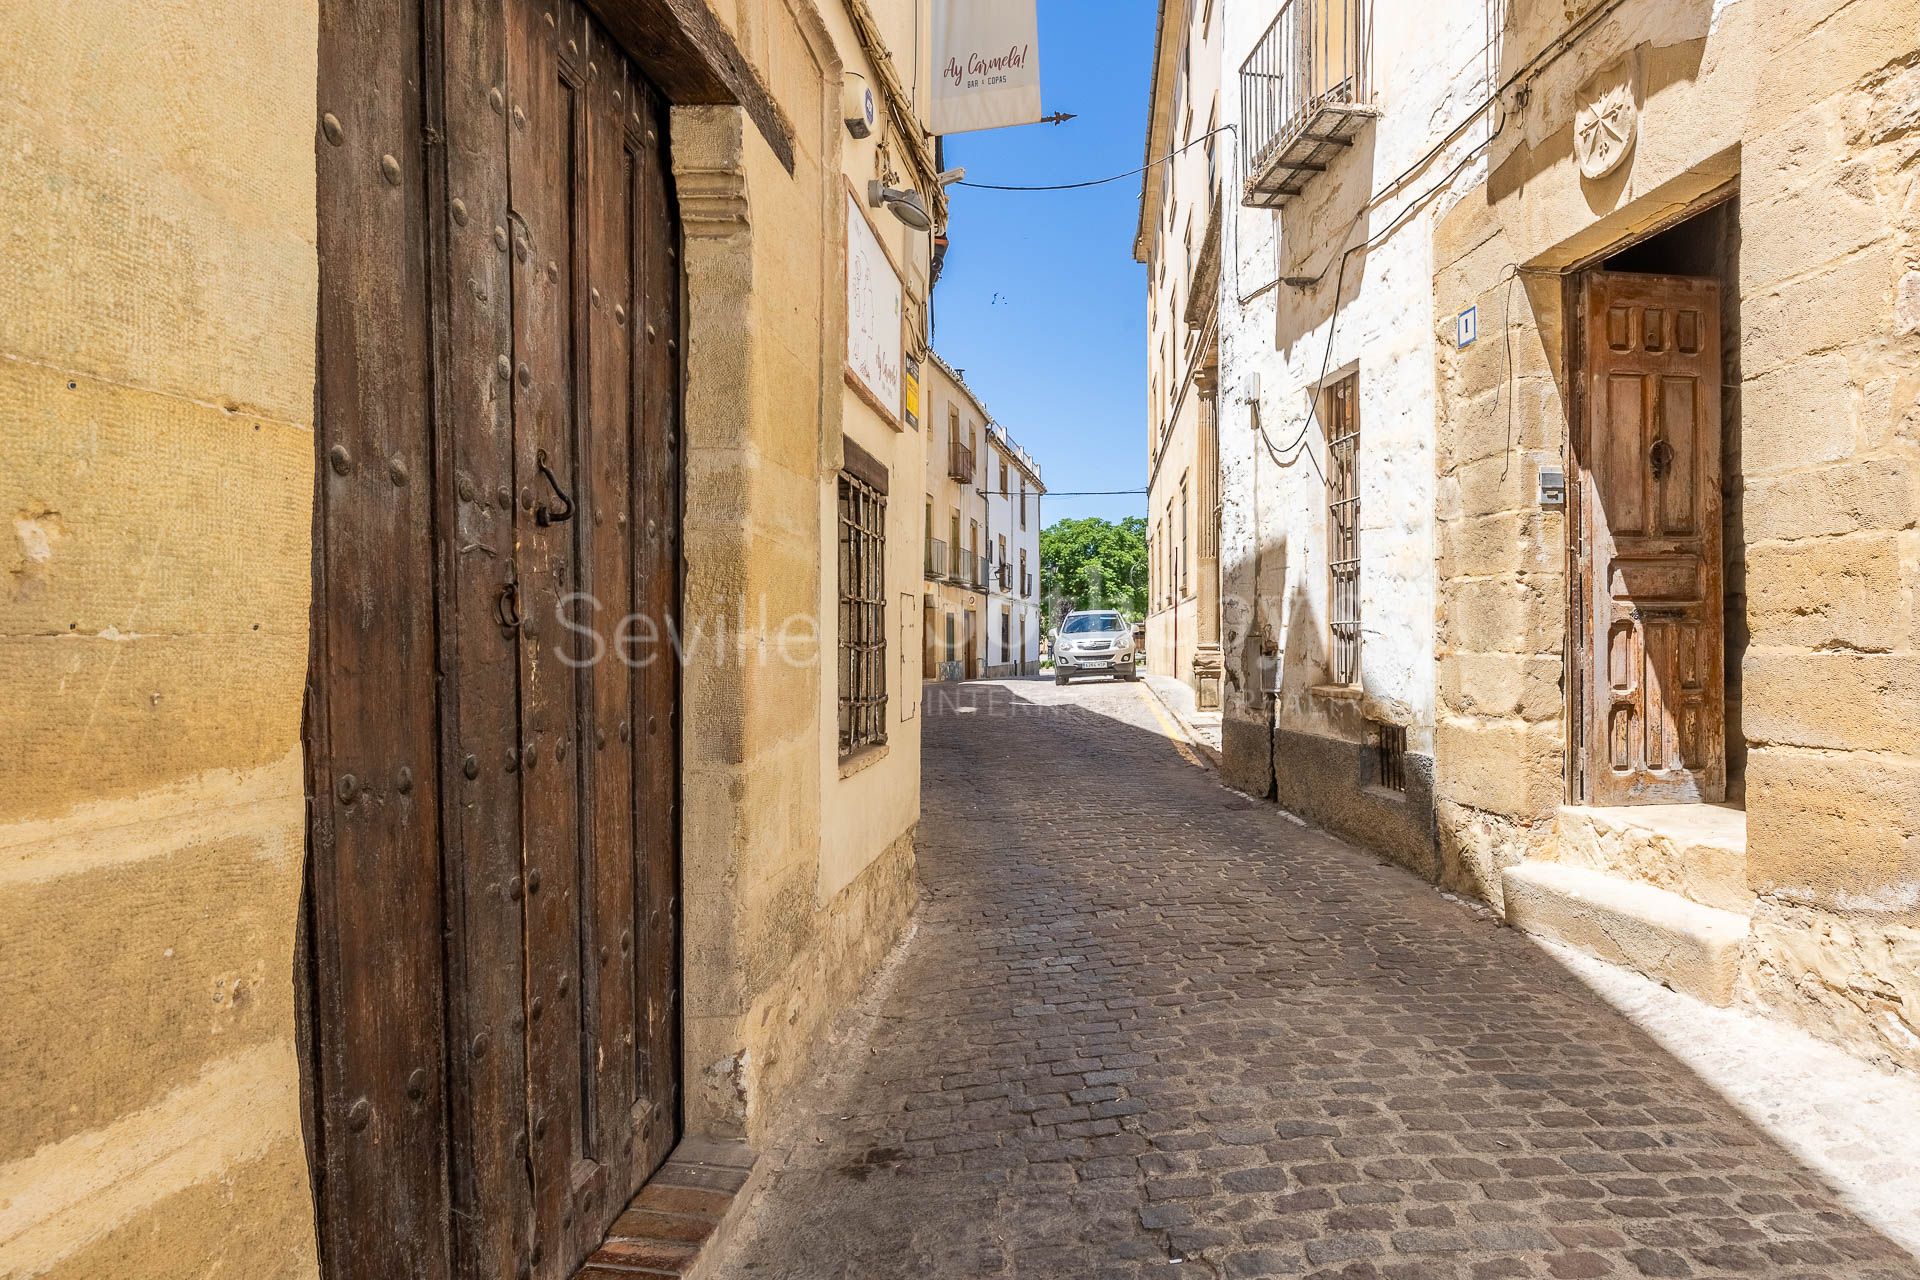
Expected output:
(1147, 1023)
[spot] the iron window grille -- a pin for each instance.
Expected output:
(1343, 526)
(1390, 755)
(863, 615)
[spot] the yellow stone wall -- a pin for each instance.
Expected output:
(1809, 106)
(156, 390)
(796, 879)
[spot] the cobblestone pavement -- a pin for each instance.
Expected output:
(1149, 1027)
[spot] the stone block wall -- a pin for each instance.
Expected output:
(1500, 715)
(797, 874)
(1807, 109)
(156, 446)
(1830, 277)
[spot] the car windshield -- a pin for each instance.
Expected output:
(1080, 623)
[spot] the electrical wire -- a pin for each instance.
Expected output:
(1539, 60)
(1100, 182)
(1506, 385)
(1299, 444)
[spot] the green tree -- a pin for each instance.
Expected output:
(1094, 564)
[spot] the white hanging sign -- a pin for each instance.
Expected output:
(874, 310)
(986, 58)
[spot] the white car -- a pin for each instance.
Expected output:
(1093, 642)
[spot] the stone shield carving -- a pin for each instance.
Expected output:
(1606, 117)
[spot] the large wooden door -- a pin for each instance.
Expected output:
(492, 761)
(1650, 572)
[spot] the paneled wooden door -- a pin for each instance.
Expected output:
(1651, 603)
(492, 745)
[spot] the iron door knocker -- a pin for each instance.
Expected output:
(544, 515)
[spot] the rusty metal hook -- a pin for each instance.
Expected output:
(543, 515)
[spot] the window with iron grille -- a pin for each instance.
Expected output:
(863, 613)
(1343, 526)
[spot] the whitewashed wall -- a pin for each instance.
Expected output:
(1003, 517)
(1430, 71)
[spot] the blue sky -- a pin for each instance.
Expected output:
(1040, 300)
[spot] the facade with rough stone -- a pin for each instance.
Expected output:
(1651, 164)
(1622, 300)
(1178, 237)
(183, 462)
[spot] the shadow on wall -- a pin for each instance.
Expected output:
(1250, 648)
(1334, 777)
(1325, 221)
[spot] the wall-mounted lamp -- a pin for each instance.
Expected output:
(904, 205)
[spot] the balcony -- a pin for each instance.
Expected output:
(1305, 93)
(980, 573)
(960, 464)
(1026, 584)
(1003, 576)
(936, 558)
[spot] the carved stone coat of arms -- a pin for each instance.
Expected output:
(1606, 117)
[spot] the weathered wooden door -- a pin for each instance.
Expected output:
(492, 740)
(1650, 569)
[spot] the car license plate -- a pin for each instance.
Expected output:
(1095, 663)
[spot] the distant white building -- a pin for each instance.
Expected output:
(1011, 483)
(982, 592)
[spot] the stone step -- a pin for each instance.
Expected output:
(1677, 942)
(1698, 851)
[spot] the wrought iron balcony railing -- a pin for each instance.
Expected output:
(1004, 576)
(960, 464)
(936, 558)
(1026, 584)
(980, 573)
(1305, 92)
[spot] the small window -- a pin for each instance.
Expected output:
(863, 603)
(1390, 755)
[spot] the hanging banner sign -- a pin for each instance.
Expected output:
(986, 54)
